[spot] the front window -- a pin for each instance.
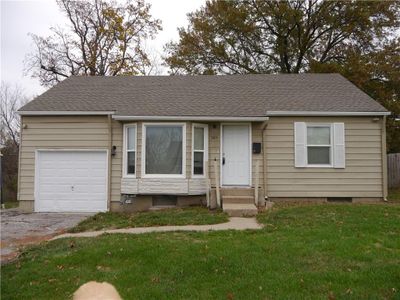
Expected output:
(164, 149)
(199, 149)
(130, 150)
(319, 145)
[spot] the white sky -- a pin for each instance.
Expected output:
(18, 18)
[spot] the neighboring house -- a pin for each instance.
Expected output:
(132, 143)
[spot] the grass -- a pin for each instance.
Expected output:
(10, 204)
(174, 216)
(394, 195)
(304, 252)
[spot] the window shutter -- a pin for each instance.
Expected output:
(338, 146)
(300, 151)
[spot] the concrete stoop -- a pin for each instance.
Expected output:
(240, 209)
(238, 199)
(239, 202)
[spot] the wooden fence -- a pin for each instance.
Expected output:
(393, 160)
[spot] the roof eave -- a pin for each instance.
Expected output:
(326, 113)
(202, 118)
(190, 118)
(64, 113)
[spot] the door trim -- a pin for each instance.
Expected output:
(249, 125)
(36, 171)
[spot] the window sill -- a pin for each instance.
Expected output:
(163, 176)
(198, 176)
(319, 166)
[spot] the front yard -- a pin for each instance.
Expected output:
(309, 251)
(174, 216)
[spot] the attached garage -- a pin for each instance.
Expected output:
(70, 181)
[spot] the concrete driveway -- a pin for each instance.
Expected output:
(19, 229)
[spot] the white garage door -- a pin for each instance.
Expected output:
(71, 181)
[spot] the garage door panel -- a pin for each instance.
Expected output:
(56, 180)
(93, 189)
(61, 172)
(89, 180)
(82, 173)
(55, 188)
(79, 206)
(71, 181)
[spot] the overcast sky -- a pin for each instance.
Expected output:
(18, 18)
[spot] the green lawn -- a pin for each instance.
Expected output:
(10, 204)
(173, 216)
(325, 251)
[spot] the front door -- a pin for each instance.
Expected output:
(236, 157)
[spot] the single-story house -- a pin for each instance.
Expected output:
(135, 143)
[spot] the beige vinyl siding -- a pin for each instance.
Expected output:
(257, 138)
(116, 161)
(61, 132)
(214, 140)
(362, 176)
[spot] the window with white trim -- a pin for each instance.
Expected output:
(164, 149)
(129, 150)
(199, 149)
(319, 145)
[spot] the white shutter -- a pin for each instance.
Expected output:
(339, 158)
(300, 139)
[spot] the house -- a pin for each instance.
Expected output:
(132, 143)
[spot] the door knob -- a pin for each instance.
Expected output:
(223, 160)
(72, 188)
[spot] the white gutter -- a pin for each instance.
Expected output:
(64, 113)
(326, 113)
(188, 118)
(201, 118)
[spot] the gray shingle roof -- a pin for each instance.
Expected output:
(227, 96)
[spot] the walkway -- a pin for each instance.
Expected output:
(233, 224)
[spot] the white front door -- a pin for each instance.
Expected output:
(71, 181)
(236, 155)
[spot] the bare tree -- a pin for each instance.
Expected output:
(155, 63)
(11, 98)
(104, 38)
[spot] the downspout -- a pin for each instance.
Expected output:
(21, 128)
(263, 127)
(384, 160)
(109, 161)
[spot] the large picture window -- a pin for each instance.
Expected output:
(129, 167)
(200, 146)
(319, 145)
(164, 150)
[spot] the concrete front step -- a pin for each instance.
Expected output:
(237, 192)
(240, 210)
(238, 199)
